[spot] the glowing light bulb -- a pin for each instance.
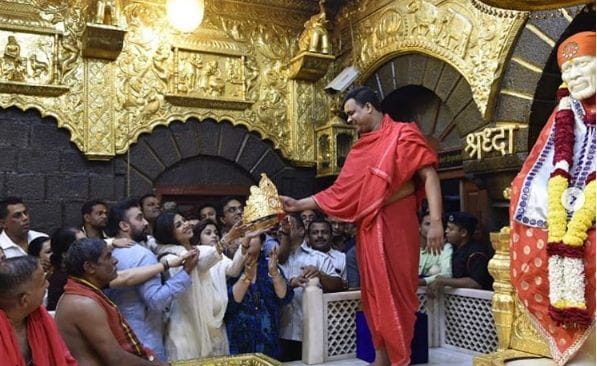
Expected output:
(185, 15)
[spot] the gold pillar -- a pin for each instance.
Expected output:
(99, 109)
(503, 301)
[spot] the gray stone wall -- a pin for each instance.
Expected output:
(40, 164)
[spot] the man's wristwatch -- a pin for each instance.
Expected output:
(166, 265)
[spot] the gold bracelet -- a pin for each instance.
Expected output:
(246, 279)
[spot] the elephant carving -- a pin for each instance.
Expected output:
(425, 14)
(454, 31)
(315, 37)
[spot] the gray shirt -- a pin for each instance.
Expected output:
(143, 305)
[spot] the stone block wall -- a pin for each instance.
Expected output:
(39, 164)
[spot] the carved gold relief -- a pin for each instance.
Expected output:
(99, 116)
(473, 42)
(308, 110)
(29, 47)
(209, 74)
(107, 13)
(234, 67)
(524, 334)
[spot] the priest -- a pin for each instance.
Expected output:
(387, 173)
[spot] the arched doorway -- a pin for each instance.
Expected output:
(419, 88)
(195, 162)
(435, 119)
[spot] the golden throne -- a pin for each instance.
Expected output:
(517, 337)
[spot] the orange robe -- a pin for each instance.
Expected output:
(47, 347)
(528, 269)
(122, 331)
(378, 164)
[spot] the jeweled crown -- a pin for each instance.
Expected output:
(263, 208)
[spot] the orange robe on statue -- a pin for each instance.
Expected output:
(378, 165)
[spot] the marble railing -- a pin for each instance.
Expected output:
(458, 319)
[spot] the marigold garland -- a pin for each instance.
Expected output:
(556, 213)
(582, 219)
(566, 272)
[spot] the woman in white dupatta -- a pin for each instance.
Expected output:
(195, 326)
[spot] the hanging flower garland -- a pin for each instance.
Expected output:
(565, 249)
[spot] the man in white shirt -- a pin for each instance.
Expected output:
(300, 263)
(320, 239)
(16, 236)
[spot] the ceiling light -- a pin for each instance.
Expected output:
(185, 15)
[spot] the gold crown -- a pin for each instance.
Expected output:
(263, 208)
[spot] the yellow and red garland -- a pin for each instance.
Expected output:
(566, 239)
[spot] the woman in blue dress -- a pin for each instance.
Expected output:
(255, 300)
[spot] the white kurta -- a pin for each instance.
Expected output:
(195, 326)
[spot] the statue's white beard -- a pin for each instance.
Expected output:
(582, 94)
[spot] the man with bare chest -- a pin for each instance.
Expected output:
(90, 323)
(28, 334)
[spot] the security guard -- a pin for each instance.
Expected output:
(470, 258)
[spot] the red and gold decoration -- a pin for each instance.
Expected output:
(552, 235)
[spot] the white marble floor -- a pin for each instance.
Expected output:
(437, 356)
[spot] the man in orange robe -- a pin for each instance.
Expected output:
(379, 188)
(529, 267)
(91, 324)
(28, 334)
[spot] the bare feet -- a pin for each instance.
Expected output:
(381, 358)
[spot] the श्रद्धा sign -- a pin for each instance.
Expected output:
(499, 139)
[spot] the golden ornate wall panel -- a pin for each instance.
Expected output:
(236, 66)
(99, 111)
(473, 42)
(30, 47)
(233, 67)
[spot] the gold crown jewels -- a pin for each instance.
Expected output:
(263, 208)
